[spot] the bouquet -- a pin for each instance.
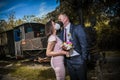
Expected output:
(68, 46)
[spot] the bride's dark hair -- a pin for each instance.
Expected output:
(48, 28)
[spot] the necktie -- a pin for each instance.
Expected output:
(65, 34)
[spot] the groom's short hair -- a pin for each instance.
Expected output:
(63, 13)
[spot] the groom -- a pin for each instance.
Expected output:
(76, 63)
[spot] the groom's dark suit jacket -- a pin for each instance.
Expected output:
(78, 39)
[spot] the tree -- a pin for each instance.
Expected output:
(3, 24)
(11, 21)
(101, 14)
(31, 18)
(19, 22)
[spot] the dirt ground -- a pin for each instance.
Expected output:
(110, 70)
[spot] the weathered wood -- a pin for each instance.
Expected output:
(29, 35)
(34, 44)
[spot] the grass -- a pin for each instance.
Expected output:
(33, 73)
(27, 70)
(27, 73)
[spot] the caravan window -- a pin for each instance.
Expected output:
(42, 31)
(29, 29)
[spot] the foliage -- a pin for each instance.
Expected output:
(101, 14)
(108, 38)
(3, 24)
(11, 21)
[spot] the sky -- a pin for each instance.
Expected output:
(26, 7)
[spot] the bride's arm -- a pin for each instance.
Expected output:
(50, 52)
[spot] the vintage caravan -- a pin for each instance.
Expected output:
(23, 38)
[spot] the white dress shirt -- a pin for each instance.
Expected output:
(68, 35)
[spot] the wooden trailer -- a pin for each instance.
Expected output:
(23, 38)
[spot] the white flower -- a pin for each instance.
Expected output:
(69, 36)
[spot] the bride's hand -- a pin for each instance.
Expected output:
(64, 52)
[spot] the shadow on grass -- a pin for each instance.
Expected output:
(4, 72)
(32, 63)
(47, 74)
(5, 66)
